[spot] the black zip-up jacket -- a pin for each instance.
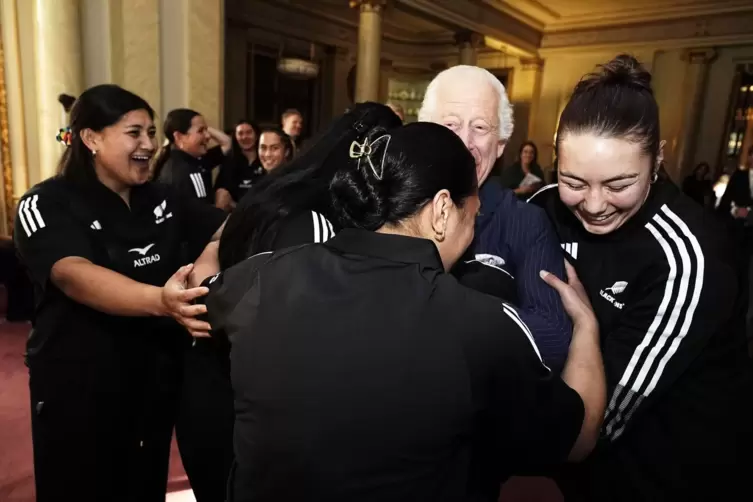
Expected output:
(670, 296)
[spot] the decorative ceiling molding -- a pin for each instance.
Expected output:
(530, 12)
(659, 11)
(558, 15)
(477, 16)
(274, 23)
(720, 29)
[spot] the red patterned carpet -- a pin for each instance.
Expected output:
(16, 472)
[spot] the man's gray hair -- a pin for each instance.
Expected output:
(460, 75)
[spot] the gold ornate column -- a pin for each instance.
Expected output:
(17, 160)
(696, 72)
(531, 72)
(468, 42)
(369, 48)
(8, 207)
(59, 69)
(192, 57)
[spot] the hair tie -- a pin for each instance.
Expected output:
(65, 136)
(364, 150)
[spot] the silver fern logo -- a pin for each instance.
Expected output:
(617, 288)
(609, 293)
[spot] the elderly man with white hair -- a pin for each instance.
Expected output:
(514, 241)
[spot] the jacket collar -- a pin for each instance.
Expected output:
(391, 247)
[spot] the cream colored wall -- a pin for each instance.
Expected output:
(668, 83)
(718, 90)
(171, 52)
(15, 97)
(562, 71)
(25, 19)
(204, 39)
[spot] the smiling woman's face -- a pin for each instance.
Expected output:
(603, 181)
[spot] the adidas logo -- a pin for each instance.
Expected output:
(571, 248)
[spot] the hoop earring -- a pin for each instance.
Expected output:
(654, 177)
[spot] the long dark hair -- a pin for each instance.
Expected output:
(535, 161)
(178, 120)
(299, 185)
(404, 170)
(66, 100)
(615, 101)
(98, 107)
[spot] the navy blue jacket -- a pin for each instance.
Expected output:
(514, 242)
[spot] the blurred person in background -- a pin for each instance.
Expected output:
(292, 125)
(186, 161)
(525, 176)
(241, 169)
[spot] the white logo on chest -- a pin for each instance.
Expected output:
(145, 260)
(161, 214)
(609, 293)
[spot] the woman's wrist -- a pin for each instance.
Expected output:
(154, 298)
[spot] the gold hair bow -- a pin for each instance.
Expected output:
(364, 150)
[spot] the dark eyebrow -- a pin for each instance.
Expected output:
(621, 177)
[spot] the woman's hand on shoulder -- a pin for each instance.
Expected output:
(573, 295)
(177, 299)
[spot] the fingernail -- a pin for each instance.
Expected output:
(543, 274)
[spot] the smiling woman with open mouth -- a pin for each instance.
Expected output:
(99, 240)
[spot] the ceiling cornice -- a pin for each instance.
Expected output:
(719, 29)
(263, 21)
(530, 12)
(478, 17)
(660, 12)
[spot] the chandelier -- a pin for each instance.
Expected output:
(298, 68)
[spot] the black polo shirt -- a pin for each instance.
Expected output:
(192, 176)
(237, 176)
(362, 371)
(59, 218)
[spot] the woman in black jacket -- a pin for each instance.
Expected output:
(669, 294)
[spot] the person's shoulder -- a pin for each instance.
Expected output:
(508, 205)
(303, 227)
(544, 195)
(485, 310)
(56, 189)
(702, 230)
(487, 321)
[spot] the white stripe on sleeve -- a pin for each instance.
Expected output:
(325, 228)
(317, 231)
(35, 211)
(22, 217)
(680, 260)
(516, 318)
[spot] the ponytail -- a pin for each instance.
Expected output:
(302, 184)
(160, 159)
(178, 120)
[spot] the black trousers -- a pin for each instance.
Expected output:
(204, 428)
(102, 427)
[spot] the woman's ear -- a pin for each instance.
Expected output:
(441, 206)
(660, 155)
(92, 140)
(178, 139)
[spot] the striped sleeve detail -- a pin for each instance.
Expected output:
(322, 227)
(513, 314)
(198, 185)
(30, 216)
(673, 319)
(541, 190)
